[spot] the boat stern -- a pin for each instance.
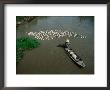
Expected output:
(81, 63)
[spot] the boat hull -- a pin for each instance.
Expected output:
(78, 62)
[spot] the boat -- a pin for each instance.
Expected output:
(74, 57)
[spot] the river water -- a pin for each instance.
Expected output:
(50, 59)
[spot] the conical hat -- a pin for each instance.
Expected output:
(67, 40)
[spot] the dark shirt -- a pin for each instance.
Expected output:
(67, 45)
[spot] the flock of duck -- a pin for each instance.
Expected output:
(52, 34)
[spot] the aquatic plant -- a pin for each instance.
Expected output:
(23, 44)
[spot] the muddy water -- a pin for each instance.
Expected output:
(50, 59)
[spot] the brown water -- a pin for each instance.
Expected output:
(50, 59)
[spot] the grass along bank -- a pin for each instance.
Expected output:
(23, 44)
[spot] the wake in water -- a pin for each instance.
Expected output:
(52, 34)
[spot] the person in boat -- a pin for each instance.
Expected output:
(67, 44)
(73, 55)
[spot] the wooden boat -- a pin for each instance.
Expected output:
(74, 57)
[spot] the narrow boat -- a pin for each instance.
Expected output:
(74, 57)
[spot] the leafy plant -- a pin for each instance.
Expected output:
(25, 43)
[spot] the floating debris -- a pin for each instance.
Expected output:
(51, 34)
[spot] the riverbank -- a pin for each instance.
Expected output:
(22, 19)
(23, 44)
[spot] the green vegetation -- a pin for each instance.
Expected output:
(23, 44)
(24, 18)
(19, 18)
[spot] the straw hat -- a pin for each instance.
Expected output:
(67, 40)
